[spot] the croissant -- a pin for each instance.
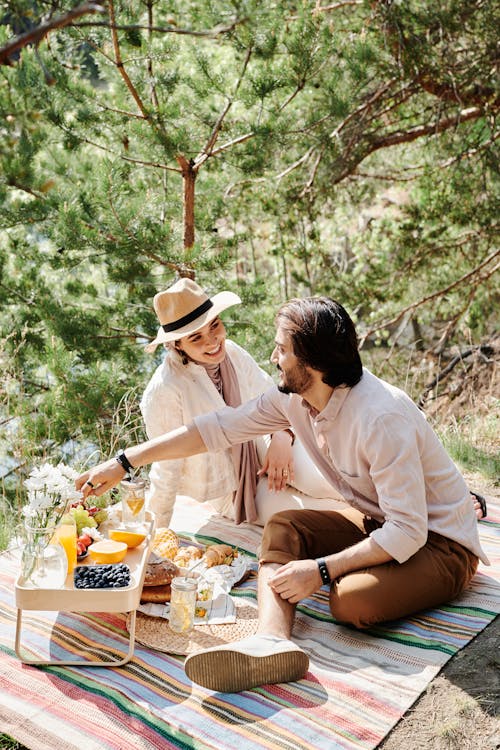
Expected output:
(220, 554)
(185, 555)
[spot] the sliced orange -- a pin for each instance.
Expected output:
(107, 551)
(131, 538)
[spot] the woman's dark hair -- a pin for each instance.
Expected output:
(324, 338)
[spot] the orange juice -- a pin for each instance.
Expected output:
(66, 535)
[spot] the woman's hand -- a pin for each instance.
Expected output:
(101, 478)
(296, 580)
(278, 463)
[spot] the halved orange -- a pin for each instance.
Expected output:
(107, 551)
(131, 538)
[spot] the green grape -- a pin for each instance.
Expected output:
(100, 516)
(82, 519)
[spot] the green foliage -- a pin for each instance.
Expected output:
(300, 128)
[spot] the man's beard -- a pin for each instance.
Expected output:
(297, 380)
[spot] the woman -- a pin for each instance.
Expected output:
(202, 372)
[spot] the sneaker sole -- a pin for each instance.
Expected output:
(232, 671)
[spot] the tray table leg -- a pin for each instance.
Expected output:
(75, 662)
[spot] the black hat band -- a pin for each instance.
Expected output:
(186, 319)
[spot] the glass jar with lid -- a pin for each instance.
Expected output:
(133, 495)
(182, 604)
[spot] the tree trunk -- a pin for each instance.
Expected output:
(188, 179)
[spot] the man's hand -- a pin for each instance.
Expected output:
(101, 478)
(296, 580)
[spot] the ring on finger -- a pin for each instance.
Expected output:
(89, 483)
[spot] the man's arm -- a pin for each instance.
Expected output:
(180, 443)
(301, 578)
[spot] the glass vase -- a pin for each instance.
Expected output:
(44, 563)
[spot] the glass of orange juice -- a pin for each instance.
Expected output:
(66, 535)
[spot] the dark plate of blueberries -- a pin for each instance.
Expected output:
(109, 576)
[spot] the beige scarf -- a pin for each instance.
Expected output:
(245, 461)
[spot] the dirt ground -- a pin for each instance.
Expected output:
(460, 709)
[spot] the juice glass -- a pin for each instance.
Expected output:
(66, 536)
(133, 502)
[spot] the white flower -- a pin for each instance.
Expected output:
(50, 490)
(93, 533)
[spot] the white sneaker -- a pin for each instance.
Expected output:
(256, 660)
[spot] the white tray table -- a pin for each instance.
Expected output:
(70, 599)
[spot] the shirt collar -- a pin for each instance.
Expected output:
(332, 408)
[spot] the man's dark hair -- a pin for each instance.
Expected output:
(324, 338)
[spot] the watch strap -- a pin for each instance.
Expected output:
(323, 570)
(124, 462)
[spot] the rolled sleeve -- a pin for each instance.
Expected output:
(396, 542)
(398, 476)
(231, 426)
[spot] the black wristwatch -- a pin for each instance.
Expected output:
(323, 570)
(125, 463)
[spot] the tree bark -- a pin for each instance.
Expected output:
(188, 179)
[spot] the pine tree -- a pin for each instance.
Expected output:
(142, 143)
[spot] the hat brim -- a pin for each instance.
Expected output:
(220, 302)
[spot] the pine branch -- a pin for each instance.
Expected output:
(443, 374)
(207, 151)
(121, 68)
(35, 36)
(154, 93)
(440, 293)
(296, 164)
(210, 33)
(359, 111)
(394, 139)
(24, 188)
(229, 144)
(335, 6)
(144, 163)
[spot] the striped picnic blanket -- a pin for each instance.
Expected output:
(358, 687)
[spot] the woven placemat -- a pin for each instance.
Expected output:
(155, 633)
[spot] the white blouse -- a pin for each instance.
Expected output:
(176, 394)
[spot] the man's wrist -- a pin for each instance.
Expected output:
(124, 462)
(323, 571)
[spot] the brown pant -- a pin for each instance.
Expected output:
(436, 573)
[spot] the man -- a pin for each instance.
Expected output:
(408, 539)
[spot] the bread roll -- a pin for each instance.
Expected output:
(156, 594)
(220, 554)
(159, 573)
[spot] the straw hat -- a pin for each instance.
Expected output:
(185, 308)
